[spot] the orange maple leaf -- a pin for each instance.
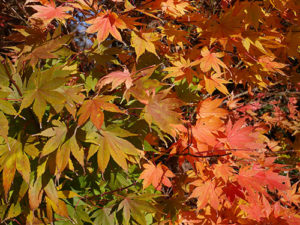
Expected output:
(205, 193)
(210, 107)
(203, 131)
(269, 65)
(105, 24)
(211, 60)
(156, 175)
(49, 11)
(182, 68)
(116, 78)
(93, 109)
(215, 82)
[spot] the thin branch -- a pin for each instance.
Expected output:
(202, 156)
(119, 189)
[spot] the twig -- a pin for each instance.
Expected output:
(202, 156)
(119, 189)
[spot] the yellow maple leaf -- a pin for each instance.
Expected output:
(142, 42)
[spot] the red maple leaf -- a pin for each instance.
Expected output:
(241, 137)
(105, 24)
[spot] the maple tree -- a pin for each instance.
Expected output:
(149, 112)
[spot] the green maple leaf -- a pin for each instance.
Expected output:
(43, 87)
(135, 206)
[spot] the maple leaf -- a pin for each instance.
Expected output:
(174, 35)
(203, 130)
(215, 82)
(143, 86)
(156, 175)
(133, 206)
(43, 87)
(256, 179)
(93, 109)
(63, 154)
(223, 171)
(105, 24)
(240, 137)
(269, 65)
(211, 60)
(49, 11)
(160, 110)
(210, 107)
(48, 49)
(4, 127)
(116, 78)
(57, 136)
(73, 97)
(108, 144)
(174, 8)
(35, 193)
(142, 41)
(205, 193)
(13, 159)
(257, 208)
(182, 68)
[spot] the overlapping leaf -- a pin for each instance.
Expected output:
(93, 109)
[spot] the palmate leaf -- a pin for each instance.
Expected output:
(12, 159)
(104, 217)
(57, 136)
(206, 193)
(4, 127)
(156, 175)
(211, 60)
(240, 137)
(142, 42)
(215, 82)
(64, 147)
(49, 11)
(116, 78)
(42, 88)
(105, 24)
(73, 97)
(108, 145)
(64, 151)
(134, 206)
(160, 110)
(47, 50)
(93, 109)
(210, 107)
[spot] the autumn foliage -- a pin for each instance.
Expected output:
(149, 112)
